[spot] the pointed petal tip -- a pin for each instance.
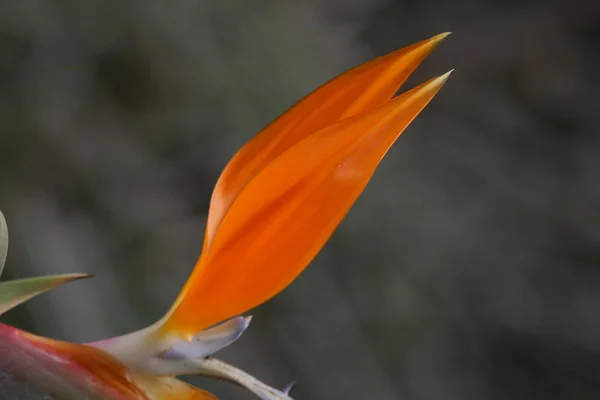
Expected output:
(244, 322)
(203, 344)
(432, 86)
(414, 54)
(439, 81)
(443, 78)
(288, 388)
(442, 36)
(425, 47)
(435, 41)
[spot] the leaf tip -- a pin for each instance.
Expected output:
(76, 277)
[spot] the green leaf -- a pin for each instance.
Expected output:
(3, 241)
(15, 292)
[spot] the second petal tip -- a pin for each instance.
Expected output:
(439, 81)
(435, 41)
(443, 78)
(442, 35)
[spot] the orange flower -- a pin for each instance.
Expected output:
(283, 194)
(274, 207)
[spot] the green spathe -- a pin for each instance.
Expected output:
(15, 292)
(3, 241)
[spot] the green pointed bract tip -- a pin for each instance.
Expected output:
(3, 241)
(15, 292)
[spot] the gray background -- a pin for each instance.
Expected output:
(470, 267)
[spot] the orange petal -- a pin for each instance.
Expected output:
(286, 213)
(361, 88)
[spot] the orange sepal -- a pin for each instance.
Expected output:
(285, 214)
(358, 89)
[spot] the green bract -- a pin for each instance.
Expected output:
(3, 241)
(15, 292)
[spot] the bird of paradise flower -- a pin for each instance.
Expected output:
(273, 208)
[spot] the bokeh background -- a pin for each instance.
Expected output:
(470, 267)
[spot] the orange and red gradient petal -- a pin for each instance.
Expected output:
(75, 371)
(361, 88)
(285, 214)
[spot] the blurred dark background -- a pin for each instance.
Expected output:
(470, 267)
